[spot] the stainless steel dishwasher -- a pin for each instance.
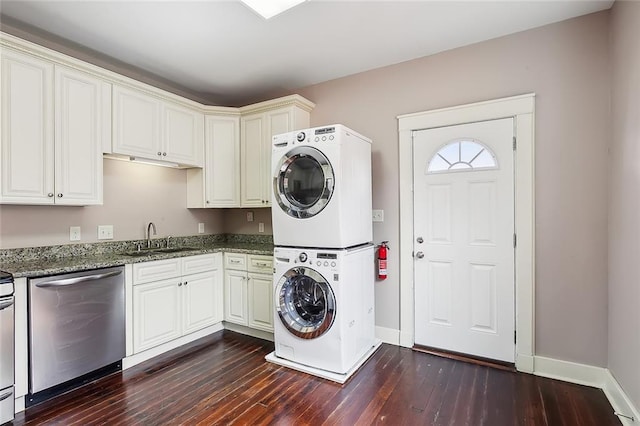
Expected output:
(76, 325)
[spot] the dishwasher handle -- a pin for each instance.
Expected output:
(6, 304)
(77, 280)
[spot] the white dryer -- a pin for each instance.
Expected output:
(321, 188)
(324, 300)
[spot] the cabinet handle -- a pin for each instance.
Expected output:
(186, 282)
(261, 264)
(60, 195)
(50, 194)
(179, 284)
(159, 153)
(207, 201)
(164, 154)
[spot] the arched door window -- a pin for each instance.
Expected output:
(463, 155)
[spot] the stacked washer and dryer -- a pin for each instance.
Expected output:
(324, 320)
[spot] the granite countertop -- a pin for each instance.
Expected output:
(43, 261)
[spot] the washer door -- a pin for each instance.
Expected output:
(303, 182)
(305, 303)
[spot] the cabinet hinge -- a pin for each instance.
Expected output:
(514, 143)
(515, 240)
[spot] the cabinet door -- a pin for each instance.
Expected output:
(253, 161)
(81, 101)
(279, 121)
(201, 300)
(26, 152)
(260, 301)
(222, 163)
(136, 124)
(235, 297)
(182, 135)
(156, 313)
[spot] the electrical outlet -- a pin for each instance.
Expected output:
(260, 227)
(378, 215)
(249, 216)
(74, 233)
(201, 228)
(105, 232)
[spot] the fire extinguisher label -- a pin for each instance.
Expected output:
(382, 267)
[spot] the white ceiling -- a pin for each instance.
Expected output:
(222, 51)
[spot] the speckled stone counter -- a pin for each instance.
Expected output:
(41, 261)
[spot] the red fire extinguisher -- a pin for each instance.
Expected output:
(382, 260)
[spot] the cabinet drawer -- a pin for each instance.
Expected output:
(235, 261)
(200, 263)
(261, 264)
(156, 270)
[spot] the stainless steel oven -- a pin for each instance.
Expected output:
(7, 321)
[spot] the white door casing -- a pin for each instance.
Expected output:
(463, 233)
(521, 108)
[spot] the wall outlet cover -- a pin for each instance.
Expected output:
(201, 228)
(105, 232)
(249, 216)
(378, 215)
(260, 227)
(74, 233)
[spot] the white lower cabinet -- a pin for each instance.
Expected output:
(248, 290)
(175, 297)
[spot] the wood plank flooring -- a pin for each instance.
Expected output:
(223, 379)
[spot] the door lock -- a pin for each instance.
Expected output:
(419, 255)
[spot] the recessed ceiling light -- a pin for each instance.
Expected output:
(271, 8)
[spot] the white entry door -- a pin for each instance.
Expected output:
(464, 238)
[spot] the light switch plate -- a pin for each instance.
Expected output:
(74, 233)
(249, 216)
(378, 215)
(105, 232)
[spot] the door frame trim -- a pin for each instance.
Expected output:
(521, 108)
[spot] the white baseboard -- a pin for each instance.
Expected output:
(525, 363)
(388, 335)
(136, 359)
(620, 401)
(264, 335)
(596, 377)
(569, 371)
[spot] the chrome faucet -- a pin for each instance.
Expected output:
(149, 226)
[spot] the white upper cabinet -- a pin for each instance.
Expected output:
(82, 123)
(53, 130)
(218, 183)
(259, 123)
(183, 134)
(151, 128)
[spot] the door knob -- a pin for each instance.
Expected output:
(419, 255)
(420, 240)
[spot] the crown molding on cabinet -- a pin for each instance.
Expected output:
(36, 50)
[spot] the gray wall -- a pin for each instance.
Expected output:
(566, 65)
(134, 195)
(624, 200)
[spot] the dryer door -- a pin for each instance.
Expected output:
(305, 303)
(303, 182)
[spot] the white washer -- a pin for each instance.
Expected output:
(324, 316)
(321, 193)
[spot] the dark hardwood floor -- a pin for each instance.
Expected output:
(223, 379)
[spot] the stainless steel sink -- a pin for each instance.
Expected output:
(148, 252)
